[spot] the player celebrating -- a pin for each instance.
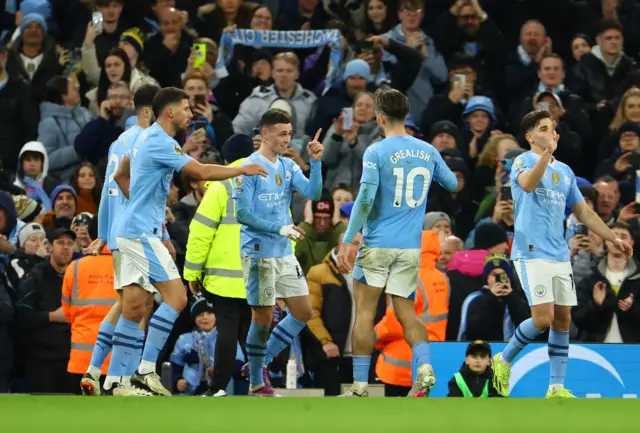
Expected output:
(270, 269)
(154, 158)
(543, 188)
(113, 203)
(396, 174)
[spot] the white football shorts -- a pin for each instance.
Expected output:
(145, 261)
(547, 282)
(269, 278)
(396, 268)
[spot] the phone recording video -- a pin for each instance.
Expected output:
(505, 193)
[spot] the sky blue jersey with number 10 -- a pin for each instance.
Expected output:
(402, 168)
(154, 158)
(113, 201)
(540, 214)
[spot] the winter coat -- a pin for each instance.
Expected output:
(18, 120)
(46, 182)
(59, 126)
(343, 160)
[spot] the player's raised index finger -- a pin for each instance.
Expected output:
(317, 135)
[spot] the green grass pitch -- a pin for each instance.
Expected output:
(44, 414)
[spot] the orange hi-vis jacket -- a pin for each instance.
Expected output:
(87, 297)
(432, 306)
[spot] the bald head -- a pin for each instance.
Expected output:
(532, 37)
(448, 248)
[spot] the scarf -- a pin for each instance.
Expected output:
(282, 39)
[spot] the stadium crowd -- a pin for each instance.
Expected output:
(470, 68)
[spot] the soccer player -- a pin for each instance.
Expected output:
(154, 158)
(396, 175)
(542, 189)
(112, 205)
(270, 268)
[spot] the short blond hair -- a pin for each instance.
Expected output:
(489, 154)
(288, 57)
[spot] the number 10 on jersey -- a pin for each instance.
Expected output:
(406, 186)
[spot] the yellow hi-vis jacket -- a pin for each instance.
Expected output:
(213, 249)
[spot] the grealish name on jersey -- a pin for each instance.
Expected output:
(410, 153)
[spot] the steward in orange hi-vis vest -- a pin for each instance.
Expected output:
(432, 306)
(87, 297)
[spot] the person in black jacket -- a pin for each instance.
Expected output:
(43, 326)
(492, 312)
(475, 378)
(606, 310)
(600, 74)
(6, 346)
(19, 117)
(31, 250)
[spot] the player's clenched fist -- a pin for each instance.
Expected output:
(315, 148)
(254, 169)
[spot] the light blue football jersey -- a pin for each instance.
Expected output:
(402, 168)
(266, 202)
(154, 158)
(540, 214)
(113, 202)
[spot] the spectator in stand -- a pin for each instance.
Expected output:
(115, 67)
(166, 52)
(39, 313)
(522, 66)
(33, 172)
(207, 69)
(18, 115)
(619, 166)
(444, 135)
(206, 111)
(466, 268)
(28, 209)
(503, 215)
(467, 28)
(439, 222)
(585, 248)
(343, 149)
(600, 73)
(309, 15)
(62, 119)
(341, 195)
(285, 75)
(448, 247)
(112, 28)
(570, 145)
(87, 297)
(10, 226)
(31, 250)
(480, 118)
(496, 309)
(321, 235)
(608, 198)
(379, 18)
(458, 204)
(87, 183)
(606, 310)
(132, 43)
(433, 71)
(33, 55)
(580, 45)
(214, 17)
(450, 104)
(331, 293)
(490, 164)
(65, 202)
(356, 75)
(628, 111)
(93, 142)
(393, 367)
(6, 345)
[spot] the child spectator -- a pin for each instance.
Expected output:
(32, 248)
(475, 376)
(33, 173)
(193, 355)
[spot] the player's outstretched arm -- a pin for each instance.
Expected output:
(217, 172)
(123, 176)
(529, 180)
(591, 219)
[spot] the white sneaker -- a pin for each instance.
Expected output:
(89, 386)
(424, 383)
(355, 391)
(131, 391)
